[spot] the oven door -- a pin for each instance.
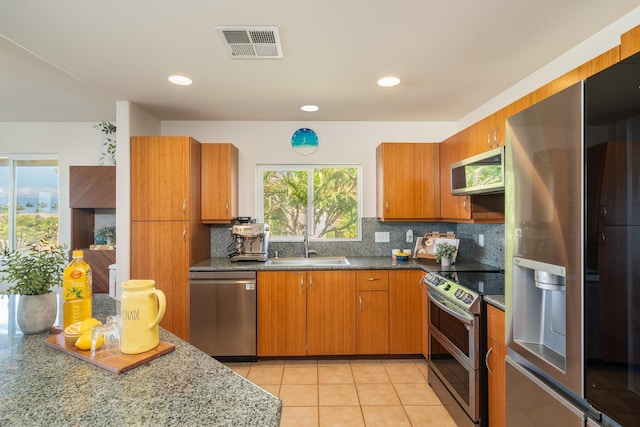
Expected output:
(456, 327)
(451, 363)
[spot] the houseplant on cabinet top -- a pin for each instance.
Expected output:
(32, 274)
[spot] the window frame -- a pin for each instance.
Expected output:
(261, 168)
(12, 214)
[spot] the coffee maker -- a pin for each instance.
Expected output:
(251, 242)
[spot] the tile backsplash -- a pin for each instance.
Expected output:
(492, 253)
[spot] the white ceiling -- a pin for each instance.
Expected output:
(70, 60)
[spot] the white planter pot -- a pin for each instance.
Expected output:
(445, 262)
(36, 313)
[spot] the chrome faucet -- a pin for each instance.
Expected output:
(308, 251)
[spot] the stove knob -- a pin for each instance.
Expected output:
(459, 294)
(468, 299)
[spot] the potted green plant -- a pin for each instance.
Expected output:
(444, 253)
(108, 154)
(106, 236)
(32, 275)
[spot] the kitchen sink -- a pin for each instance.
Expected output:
(338, 260)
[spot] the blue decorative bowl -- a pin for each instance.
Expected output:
(402, 258)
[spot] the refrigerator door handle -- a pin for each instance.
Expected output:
(546, 388)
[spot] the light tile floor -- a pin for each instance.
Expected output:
(388, 392)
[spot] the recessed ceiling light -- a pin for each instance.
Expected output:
(180, 80)
(310, 108)
(389, 81)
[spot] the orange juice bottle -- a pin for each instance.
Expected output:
(76, 290)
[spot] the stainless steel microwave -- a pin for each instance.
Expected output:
(480, 174)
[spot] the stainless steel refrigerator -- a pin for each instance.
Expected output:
(562, 284)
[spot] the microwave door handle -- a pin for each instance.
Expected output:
(467, 320)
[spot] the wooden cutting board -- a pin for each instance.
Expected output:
(116, 363)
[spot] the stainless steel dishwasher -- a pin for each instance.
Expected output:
(223, 313)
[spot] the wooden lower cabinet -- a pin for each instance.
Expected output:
(282, 313)
(164, 257)
(405, 311)
(372, 312)
(331, 313)
(495, 360)
(306, 313)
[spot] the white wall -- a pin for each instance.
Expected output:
(75, 144)
(130, 120)
(339, 142)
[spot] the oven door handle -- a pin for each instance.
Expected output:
(465, 318)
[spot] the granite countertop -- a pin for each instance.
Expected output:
(355, 263)
(41, 386)
(496, 301)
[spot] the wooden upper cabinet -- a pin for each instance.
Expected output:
(219, 183)
(92, 187)
(408, 181)
(630, 43)
(453, 150)
(165, 177)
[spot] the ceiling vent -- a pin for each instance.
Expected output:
(251, 42)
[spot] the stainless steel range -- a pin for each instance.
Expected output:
(457, 341)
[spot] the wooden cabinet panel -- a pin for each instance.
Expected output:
(159, 252)
(92, 187)
(100, 260)
(282, 313)
(495, 360)
(372, 322)
(496, 383)
(161, 180)
(372, 280)
(630, 43)
(219, 183)
(331, 313)
(452, 207)
(405, 311)
(166, 233)
(407, 181)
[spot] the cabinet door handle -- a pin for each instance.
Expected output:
(602, 238)
(604, 210)
(466, 209)
(489, 142)
(495, 137)
(226, 207)
(486, 360)
(310, 283)
(371, 278)
(360, 303)
(184, 233)
(301, 284)
(386, 207)
(184, 205)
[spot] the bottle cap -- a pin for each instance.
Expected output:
(78, 254)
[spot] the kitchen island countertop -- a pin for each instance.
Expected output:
(41, 386)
